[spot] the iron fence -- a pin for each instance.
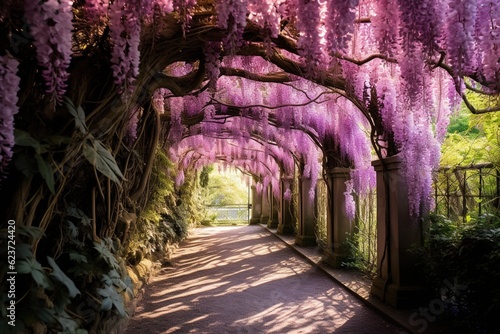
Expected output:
(230, 212)
(465, 190)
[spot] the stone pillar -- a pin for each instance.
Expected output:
(306, 235)
(256, 207)
(339, 228)
(286, 218)
(266, 206)
(399, 280)
(274, 207)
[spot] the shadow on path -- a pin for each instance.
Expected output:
(243, 280)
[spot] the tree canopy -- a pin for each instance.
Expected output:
(262, 85)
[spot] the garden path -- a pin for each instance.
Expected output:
(242, 279)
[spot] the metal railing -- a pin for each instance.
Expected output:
(232, 212)
(463, 190)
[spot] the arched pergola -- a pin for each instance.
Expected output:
(92, 90)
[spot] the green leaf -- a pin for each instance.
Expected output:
(106, 304)
(81, 331)
(73, 230)
(23, 138)
(31, 266)
(77, 257)
(58, 140)
(60, 276)
(106, 254)
(102, 159)
(77, 213)
(111, 296)
(23, 251)
(68, 324)
(47, 172)
(25, 164)
(30, 231)
(78, 114)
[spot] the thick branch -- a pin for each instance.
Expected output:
(469, 105)
(278, 77)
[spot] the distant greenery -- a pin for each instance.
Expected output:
(225, 188)
(222, 188)
(472, 138)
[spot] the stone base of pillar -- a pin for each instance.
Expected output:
(399, 296)
(305, 240)
(264, 219)
(271, 223)
(332, 259)
(285, 229)
(254, 221)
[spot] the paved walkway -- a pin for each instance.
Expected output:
(244, 280)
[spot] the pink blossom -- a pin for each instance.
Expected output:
(51, 27)
(125, 30)
(350, 205)
(9, 86)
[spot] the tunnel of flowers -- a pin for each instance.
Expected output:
(110, 110)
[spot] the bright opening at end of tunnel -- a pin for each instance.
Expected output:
(226, 195)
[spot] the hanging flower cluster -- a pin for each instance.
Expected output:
(212, 52)
(383, 23)
(232, 16)
(420, 22)
(125, 30)
(488, 28)
(340, 23)
(309, 43)
(461, 45)
(51, 26)
(131, 130)
(9, 85)
(94, 9)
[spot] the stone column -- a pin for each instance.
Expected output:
(399, 280)
(339, 228)
(307, 224)
(256, 207)
(286, 216)
(266, 207)
(273, 201)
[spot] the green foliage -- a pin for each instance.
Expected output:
(168, 212)
(205, 175)
(489, 126)
(32, 156)
(49, 291)
(111, 292)
(78, 114)
(460, 124)
(225, 188)
(468, 255)
(100, 157)
(472, 138)
(93, 149)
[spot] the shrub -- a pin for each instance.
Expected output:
(470, 257)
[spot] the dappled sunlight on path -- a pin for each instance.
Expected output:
(243, 280)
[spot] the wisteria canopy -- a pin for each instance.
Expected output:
(261, 85)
